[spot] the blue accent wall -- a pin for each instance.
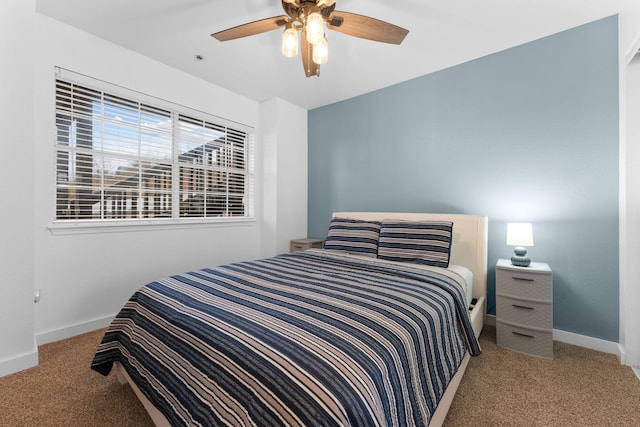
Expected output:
(526, 134)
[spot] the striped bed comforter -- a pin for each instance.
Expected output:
(303, 339)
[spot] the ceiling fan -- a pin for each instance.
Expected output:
(309, 17)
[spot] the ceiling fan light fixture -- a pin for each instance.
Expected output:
(321, 52)
(314, 24)
(290, 41)
(310, 17)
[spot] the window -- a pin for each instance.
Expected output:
(118, 158)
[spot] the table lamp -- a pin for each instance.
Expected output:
(520, 234)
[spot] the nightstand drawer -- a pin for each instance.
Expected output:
(523, 312)
(304, 244)
(524, 285)
(523, 340)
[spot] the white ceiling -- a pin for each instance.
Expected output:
(441, 34)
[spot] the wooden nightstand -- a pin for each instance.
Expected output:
(304, 244)
(524, 308)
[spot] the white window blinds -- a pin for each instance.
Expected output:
(121, 158)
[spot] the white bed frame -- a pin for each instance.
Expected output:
(468, 248)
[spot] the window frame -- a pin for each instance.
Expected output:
(177, 113)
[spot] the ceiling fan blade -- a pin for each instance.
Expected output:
(251, 28)
(310, 67)
(366, 27)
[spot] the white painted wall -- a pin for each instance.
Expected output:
(85, 278)
(17, 349)
(629, 21)
(88, 277)
(284, 127)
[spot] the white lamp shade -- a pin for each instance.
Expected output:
(519, 234)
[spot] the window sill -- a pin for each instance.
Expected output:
(91, 227)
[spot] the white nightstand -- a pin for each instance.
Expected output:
(304, 244)
(524, 308)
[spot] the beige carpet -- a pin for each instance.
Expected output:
(501, 388)
(63, 391)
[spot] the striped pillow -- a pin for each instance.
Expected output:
(353, 236)
(424, 242)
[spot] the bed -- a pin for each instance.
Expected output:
(366, 331)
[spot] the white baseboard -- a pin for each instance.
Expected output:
(30, 359)
(575, 339)
(20, 362)
(73, 330)
(587, 342)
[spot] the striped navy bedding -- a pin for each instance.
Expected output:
(311, 338)
(422, 242)
(353, 236)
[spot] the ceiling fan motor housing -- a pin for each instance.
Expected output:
(299, 10)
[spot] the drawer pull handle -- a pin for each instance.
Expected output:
(522, 335)
(522, 306)
(522, 279)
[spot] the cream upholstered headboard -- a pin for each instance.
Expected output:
(469, 245)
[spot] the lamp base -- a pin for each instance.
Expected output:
(520, 261)
(520, 258)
